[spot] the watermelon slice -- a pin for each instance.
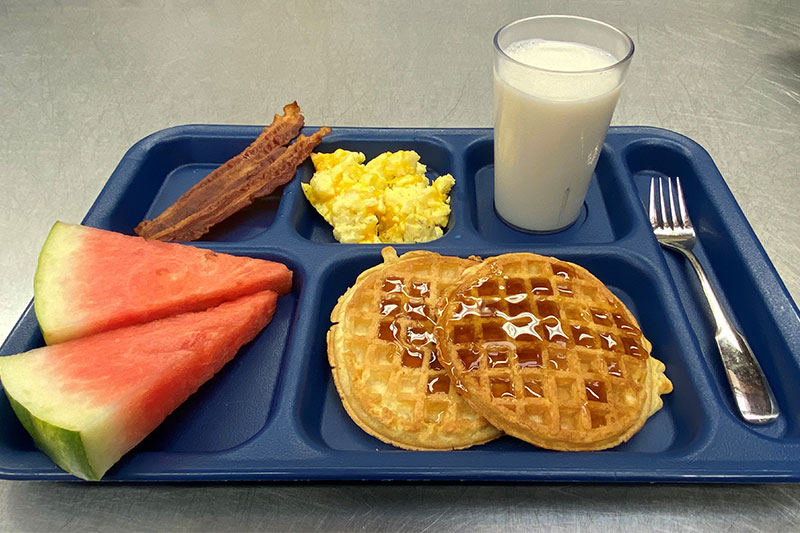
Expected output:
(88, 401)
(90, 280)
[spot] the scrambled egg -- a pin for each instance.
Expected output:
(387, 200)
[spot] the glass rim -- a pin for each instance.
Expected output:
(613, 66)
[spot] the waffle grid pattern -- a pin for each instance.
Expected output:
(389, 350)
(546, 346)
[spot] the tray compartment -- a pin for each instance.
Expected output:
(676, 428)
(236, 403)
(434, 154)
(226, 411)
(163, 166)
(659, 157)
(605, 217)
(737, 282)
(248, 223)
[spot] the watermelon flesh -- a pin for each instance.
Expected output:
(88, 401)
(91, 280)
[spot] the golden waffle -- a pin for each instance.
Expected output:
(382, 352)
(544, 351)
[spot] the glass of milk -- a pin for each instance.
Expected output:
(556, 83)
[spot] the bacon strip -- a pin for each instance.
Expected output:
(262, 152)
(268, 177)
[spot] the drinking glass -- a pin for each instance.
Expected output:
(557, 80)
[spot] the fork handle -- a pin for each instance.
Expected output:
(750, 388)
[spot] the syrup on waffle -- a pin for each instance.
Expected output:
(548, 354)
(385, 366)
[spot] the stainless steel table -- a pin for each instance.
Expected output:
(80, 82)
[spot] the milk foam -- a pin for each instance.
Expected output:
(556, 70)
(559, 55)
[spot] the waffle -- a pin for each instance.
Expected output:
(548, 354)
(382, 352)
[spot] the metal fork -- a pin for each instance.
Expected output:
(750, 389)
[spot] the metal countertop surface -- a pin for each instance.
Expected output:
(81, 82)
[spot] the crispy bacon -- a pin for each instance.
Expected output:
(202, 202)
(242, 192)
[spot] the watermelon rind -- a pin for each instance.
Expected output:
(63, 446)
(77, 435)
(56, 251)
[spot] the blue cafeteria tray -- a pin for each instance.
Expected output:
(273, 412)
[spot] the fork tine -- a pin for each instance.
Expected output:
(682, 206)
(652, 210)
(664, 221)
(674, 217)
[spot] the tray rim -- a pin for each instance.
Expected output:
(582, 475)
